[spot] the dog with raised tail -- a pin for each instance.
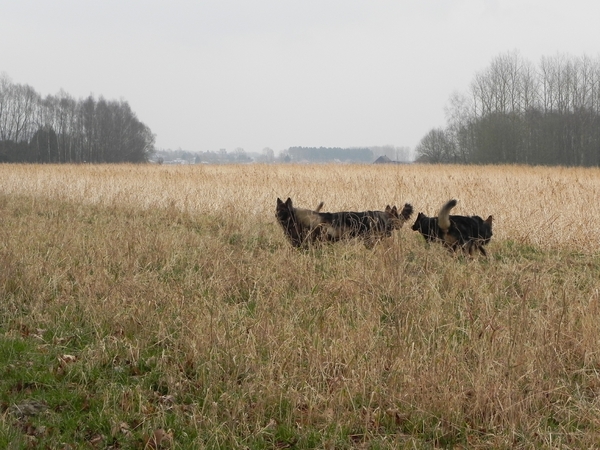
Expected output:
(468, 233)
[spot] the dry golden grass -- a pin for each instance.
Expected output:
(560, 202)
(186, 310)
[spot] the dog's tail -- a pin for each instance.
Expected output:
(406, 211)
(444, 215)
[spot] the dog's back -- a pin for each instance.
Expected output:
(352, 224)
(366, 224)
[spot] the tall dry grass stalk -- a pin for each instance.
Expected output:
(187, 309)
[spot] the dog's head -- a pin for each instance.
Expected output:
(487, 229)
(397, 218)
(281, 205)
(392, 220)
(391, 211)
(283, 211)
(427, 226)
(419, 222)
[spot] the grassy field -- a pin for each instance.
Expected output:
(162, 307)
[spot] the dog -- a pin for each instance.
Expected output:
(301, 226)
(304, 227)
(370, 226)
(469, 233)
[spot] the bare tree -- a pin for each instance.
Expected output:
(514, 112)
(460, 112)
(436, 147)
(17, 107)
(5, 92)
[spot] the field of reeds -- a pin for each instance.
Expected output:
(162, 307)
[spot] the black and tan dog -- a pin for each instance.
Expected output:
(370, 226)
(469, 233)
(303, 226)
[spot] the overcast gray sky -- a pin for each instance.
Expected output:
(206, 75)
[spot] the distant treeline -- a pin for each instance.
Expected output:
(60, 129)
(325, 154)
(290, 155)
(186, 157)
(514, 112)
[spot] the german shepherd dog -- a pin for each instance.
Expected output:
(301, 226)
(370, 226)
(306, 226)
(469, 233)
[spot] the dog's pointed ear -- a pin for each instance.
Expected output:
(388, 209)
(288, 202)
(279, 202)
(489, 220)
